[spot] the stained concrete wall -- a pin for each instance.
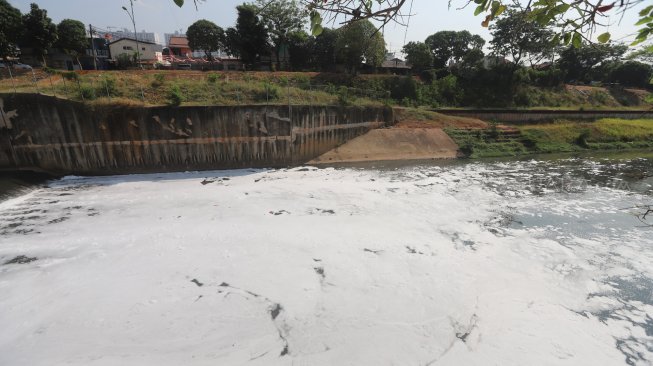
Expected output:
(536, 116)
(61, 136)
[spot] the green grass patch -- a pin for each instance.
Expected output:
(561, 136)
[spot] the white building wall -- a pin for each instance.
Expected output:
(128, 46)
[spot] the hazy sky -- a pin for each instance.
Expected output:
(162, 16)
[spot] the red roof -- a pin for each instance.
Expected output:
(178, 42)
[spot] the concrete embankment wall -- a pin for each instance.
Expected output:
(61, 136)
(536, 116)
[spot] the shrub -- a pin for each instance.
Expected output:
(467, 148)
(159, 80)
(267, 93)
(125, 61)
(523, 98)
(108, 86)
(343, 96)
(49, 70)
(213, 77)
(86, 92)
(449, 90)
(581, 140)
(174, 96)
(303, 81)
(70, 75)
(401, 87)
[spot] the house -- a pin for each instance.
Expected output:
(493, 61)
(102, 55)
(149, 52)
(395, 66)
(178, 46)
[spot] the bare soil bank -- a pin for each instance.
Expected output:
(393, 144)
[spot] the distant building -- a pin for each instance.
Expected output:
(178, 47)
(149, 52)
(493, 61)
(395, 66)
(141, 36)
(167, 36)
(102, 55)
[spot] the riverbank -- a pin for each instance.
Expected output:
(558, 137)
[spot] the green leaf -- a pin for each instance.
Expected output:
(179, 3)
(645, 11)
(479, 10)
(644, 20)
(603, 38)
(567, 38)
(562, 8)
(576, 40)
(316, 18)
(500, 10)
(316, 29)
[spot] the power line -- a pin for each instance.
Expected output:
(410, 15)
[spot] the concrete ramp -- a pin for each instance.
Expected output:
(393, 144)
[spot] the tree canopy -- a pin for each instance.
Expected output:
(452, 46)
(324, 51)
(72, 38)
(10, 27)
(249, 39)
(577, 62)
(206, 36)
(281, 17)
(39, 31)
(576, 19)
(418, 55)
(515, 35)
(358, 42)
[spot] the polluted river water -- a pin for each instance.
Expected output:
(527, 262)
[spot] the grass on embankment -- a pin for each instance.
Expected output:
(562, 136)
(189, 88)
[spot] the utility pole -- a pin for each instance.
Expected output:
(131, 16)
(90, 30)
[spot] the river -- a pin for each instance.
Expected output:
(540, 261)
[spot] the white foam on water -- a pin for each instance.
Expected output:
(413, 266)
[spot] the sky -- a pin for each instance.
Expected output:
(162, 16)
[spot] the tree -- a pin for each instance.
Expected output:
(515, 35)
(358, 42)
(452, 46)
(418, 55)
(281, 17)
(72, 38)
(633, 73)
(300, 47)
(231, 42)
(250, 37)
(206, 36)
(324, 51)
(577, 63)
(644, 54)
(574, 19)
(39, 31)
(10, 27)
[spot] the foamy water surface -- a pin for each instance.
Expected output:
(511, 263)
